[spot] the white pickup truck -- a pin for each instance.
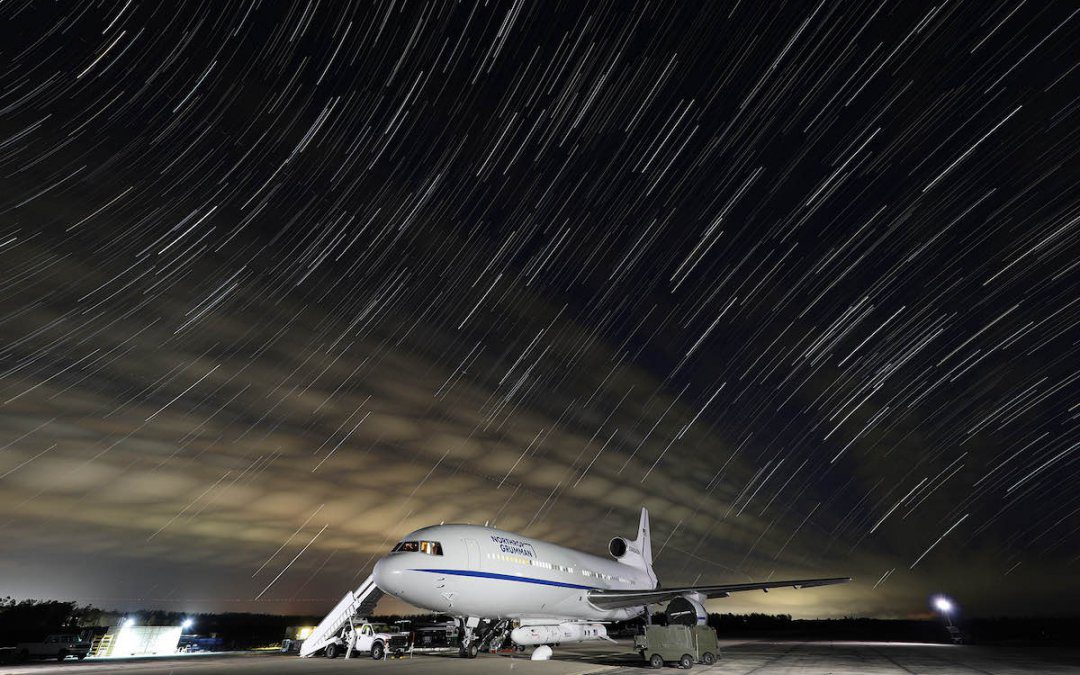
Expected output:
(57, 647)
(375, 639)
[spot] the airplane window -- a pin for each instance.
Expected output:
(428, 547)
(431, 547)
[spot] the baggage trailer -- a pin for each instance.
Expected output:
(685, 645)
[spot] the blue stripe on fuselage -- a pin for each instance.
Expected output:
(504, 577)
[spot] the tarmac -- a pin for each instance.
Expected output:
(737, 657)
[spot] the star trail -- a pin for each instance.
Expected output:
(283, 281)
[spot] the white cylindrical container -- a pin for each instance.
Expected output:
(551, 634)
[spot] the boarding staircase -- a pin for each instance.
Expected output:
(102, 645)
(360, 602)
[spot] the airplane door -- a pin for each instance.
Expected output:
(473, 551)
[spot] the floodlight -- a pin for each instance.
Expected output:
(187, 623)
(943, 605)
(128, 623)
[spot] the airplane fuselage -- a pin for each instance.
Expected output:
(474, 571)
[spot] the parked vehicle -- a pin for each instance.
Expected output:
(684, 645)
(436, 637)
(375, 639)
(291, 646)
(57, 647)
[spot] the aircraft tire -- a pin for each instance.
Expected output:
(656, 661)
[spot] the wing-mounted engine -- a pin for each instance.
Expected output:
(687, 610)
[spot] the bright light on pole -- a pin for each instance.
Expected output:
(188, 623)
(946, 608)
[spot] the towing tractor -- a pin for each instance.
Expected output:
(683, 645)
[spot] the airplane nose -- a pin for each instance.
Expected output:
(378, 573)
(387, 576)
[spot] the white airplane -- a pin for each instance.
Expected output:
(541, 593)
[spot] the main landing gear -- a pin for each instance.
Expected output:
(478, 635)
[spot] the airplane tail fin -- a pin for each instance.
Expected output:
(639, 552)
(644, 541)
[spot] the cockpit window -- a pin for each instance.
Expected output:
(428, 547)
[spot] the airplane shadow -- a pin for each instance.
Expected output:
(623, 659)
(627, 659)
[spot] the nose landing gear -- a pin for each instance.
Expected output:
(470, 644)
(470, 650)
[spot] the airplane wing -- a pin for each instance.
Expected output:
(614, 599)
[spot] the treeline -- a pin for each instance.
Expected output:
(992, 630)
(1000, 630)
(27, 620)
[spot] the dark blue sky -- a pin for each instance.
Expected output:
(800, 278)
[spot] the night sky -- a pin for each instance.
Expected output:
(281, 282)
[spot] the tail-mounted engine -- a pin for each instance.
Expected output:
(637, 553)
